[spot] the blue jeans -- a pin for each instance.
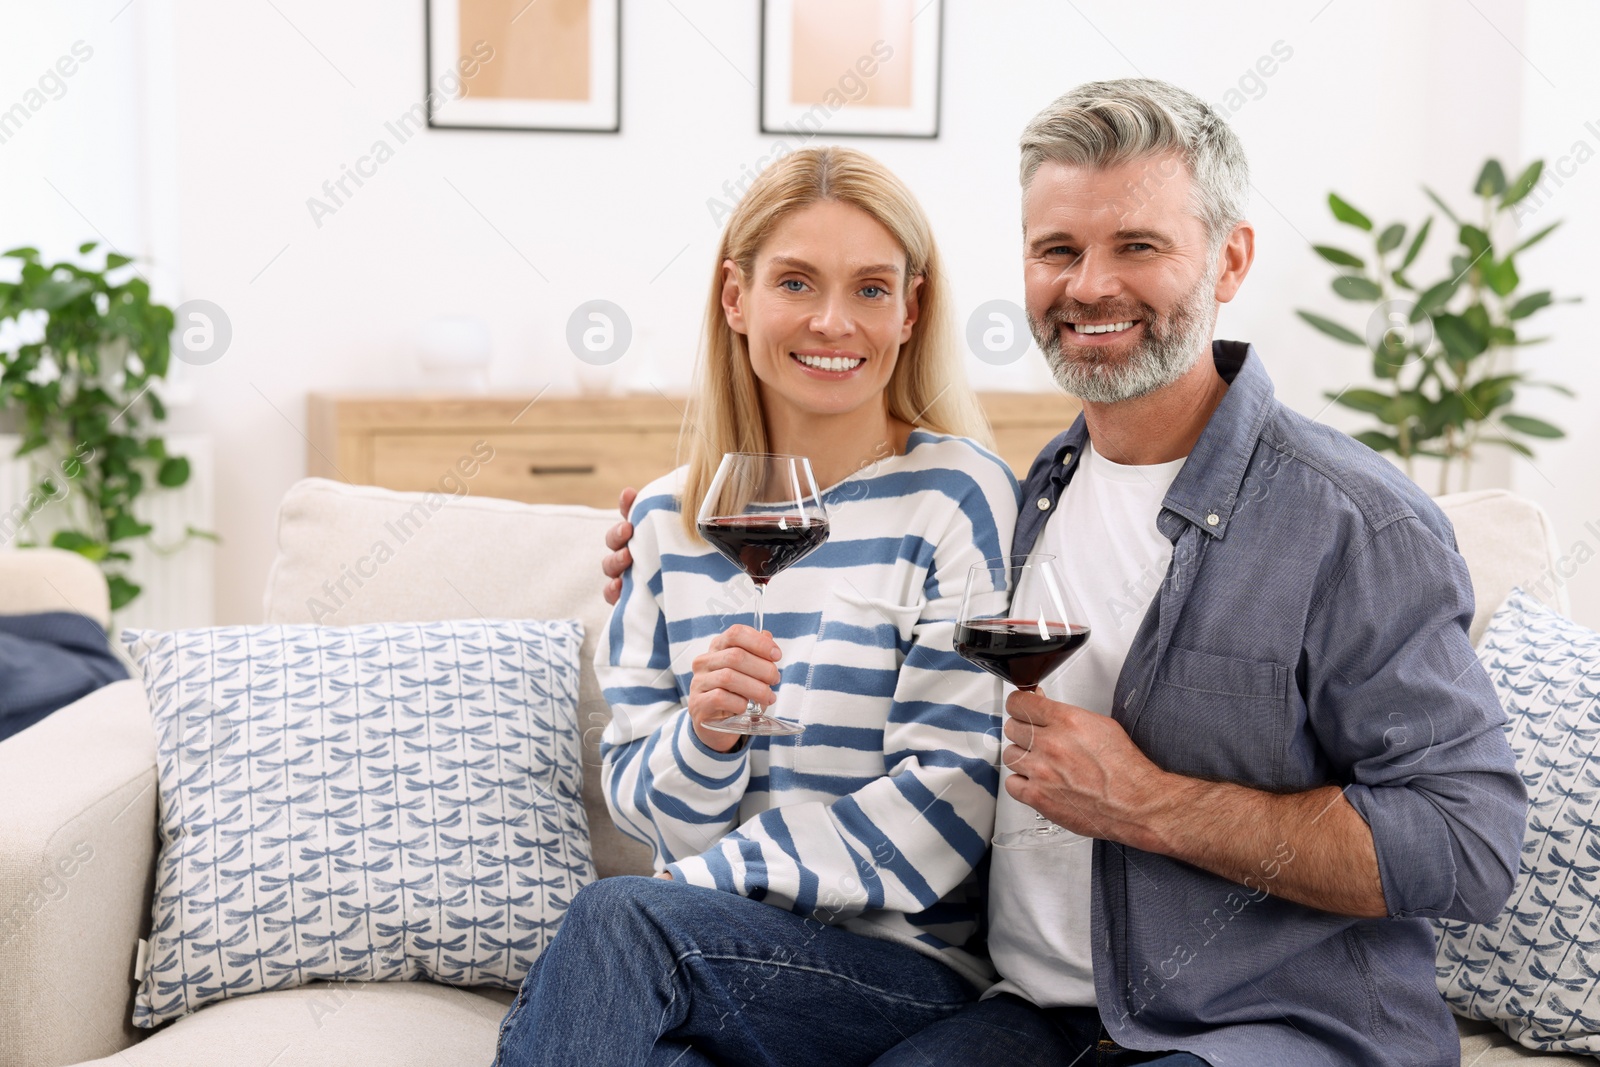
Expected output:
(1009, 1030)
(651, 972)
(648, 971)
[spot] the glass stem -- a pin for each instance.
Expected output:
(1040, 822)
(751, 708)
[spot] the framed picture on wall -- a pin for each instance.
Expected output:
(553, 65)
(866, 68)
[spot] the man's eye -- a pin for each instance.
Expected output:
(1139, 246)
(1060, 250)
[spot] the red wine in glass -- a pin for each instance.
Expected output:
(1020, 651)
(763, 545)
(1019, 621)
(762, 512)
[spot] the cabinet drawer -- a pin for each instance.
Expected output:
(545, 468)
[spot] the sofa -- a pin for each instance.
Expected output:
(82, 783)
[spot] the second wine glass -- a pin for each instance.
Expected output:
(1022, 636)
(763, 512)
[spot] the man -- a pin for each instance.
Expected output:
(1278, 755)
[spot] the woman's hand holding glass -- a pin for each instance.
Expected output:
(739, 666)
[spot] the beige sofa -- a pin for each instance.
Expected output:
(83, 781)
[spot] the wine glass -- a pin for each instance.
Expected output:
(763, 512)
(1023, 637)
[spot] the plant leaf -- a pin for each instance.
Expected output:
(1390, 238)
(1557, 386)
(1531, 426)
(1501, 276)
(122, 591)
(1332, 329)
(1460, 341)
(1433, 298)
(1347, 214)
(1536, 238)
(1444, 207)
(1475, 240)
(1530, 303)
(122, 526)
(1491, 179)
(87, 247)
(83, 545)
(1524, 183)
(1416, 243)
(1368, 400)
(1355, 287)
(1515, 446)
(174, 472)
(1339, 256)
(1378, 442)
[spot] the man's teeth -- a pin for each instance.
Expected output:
(1110, 327)
(828, 362)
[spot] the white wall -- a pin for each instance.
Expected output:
(1372, 102)
(1561, 124)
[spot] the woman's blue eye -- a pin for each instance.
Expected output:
(872, 291)
(793, 281)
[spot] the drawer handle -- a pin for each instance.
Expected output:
(538, 469)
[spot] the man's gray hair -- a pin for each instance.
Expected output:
(1104, 124)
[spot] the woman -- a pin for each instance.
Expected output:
(813, 900)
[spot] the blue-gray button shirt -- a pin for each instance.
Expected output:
(1311, 629)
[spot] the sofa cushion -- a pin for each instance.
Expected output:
(449, 557)
(399, 1024)
(395, 801)
(1535, 970)
(1507, 541)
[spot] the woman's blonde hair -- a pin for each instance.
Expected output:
(928, 387)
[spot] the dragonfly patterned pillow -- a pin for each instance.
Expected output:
(1535, 970)
(382, 802)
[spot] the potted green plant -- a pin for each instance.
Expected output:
(1442, 351)
(79, 388)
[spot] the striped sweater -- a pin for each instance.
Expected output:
(876, 815)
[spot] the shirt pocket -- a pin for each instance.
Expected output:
(1217, 717)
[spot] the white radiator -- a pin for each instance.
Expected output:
(177, 584)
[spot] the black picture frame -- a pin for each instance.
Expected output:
(431, 75)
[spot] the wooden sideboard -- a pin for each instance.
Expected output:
(560, 450)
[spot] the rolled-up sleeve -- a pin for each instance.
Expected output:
(1412, 726)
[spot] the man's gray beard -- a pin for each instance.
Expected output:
(1171, 346)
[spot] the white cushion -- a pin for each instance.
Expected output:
(52, 579)
(1507, 541)
(401, 1024)
(392, 802)
(454, 557)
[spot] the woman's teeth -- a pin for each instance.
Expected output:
(836, 363)
(1110, 327)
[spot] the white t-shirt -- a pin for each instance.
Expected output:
(1113, 559)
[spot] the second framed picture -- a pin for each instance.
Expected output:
(851, 67)
(525, 65)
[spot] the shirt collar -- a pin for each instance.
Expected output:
(1206, 488)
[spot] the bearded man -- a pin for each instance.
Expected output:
(1278, 755)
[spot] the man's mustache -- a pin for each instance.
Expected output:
(1067, 312)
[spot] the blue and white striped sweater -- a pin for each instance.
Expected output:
(876, 816)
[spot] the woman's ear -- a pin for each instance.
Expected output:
(913, 308)
(733, 296)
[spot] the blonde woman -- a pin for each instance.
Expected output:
(812, 902)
